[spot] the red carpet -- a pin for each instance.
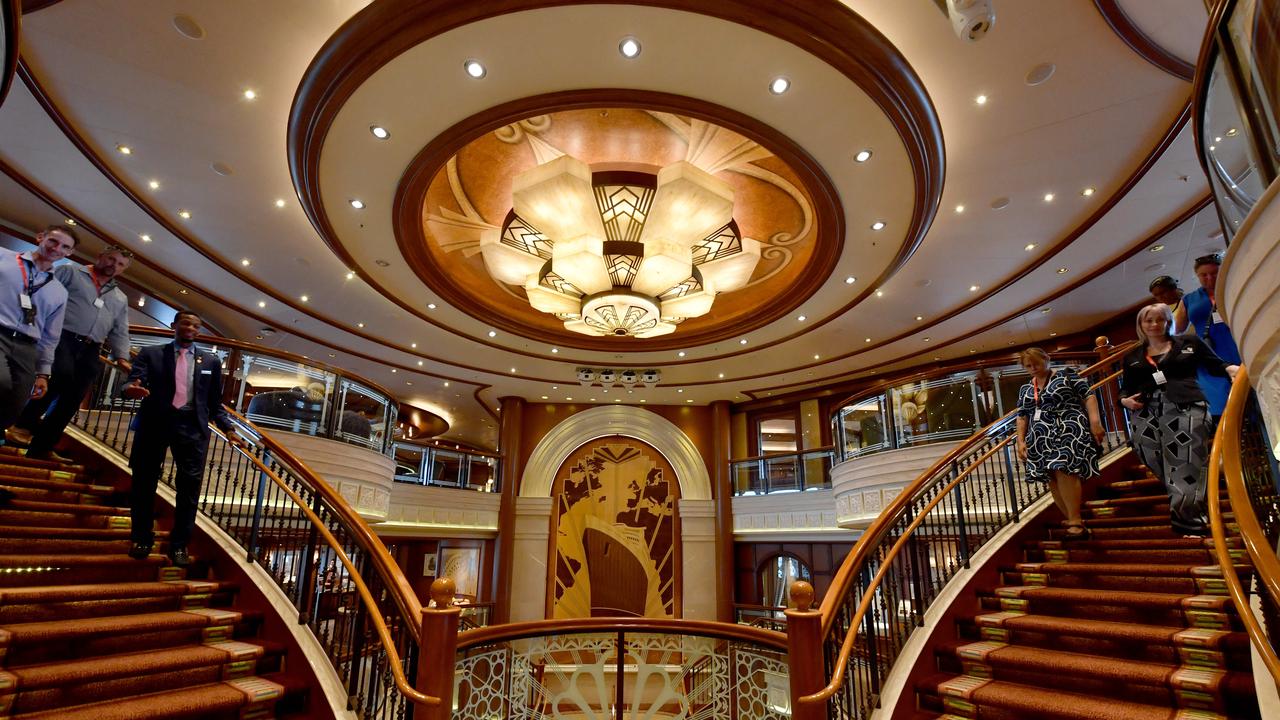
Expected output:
(88, 633)
(1133, 623)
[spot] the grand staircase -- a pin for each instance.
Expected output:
(1133, 623)
(87, 633)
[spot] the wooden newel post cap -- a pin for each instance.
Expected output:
(442, 592)
(1102, 341)
(801, 594)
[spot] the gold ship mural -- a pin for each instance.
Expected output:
(615, 534)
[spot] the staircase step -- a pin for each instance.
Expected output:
(252, 696)
(71, 533)
(61, 684)
(13, 458)
(54, 484)
(1009, 700)
(1136, 485)
(66, 602)
(1214, 611)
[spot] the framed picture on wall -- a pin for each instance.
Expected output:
(462, 565)
(429, 565)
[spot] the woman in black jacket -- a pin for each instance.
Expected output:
(1171, 430)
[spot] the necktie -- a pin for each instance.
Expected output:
(180, 388)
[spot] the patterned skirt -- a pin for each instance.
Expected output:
(1061, 441)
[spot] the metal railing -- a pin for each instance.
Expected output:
(769, 617)
(335, 572)
(909, 553)
(782, 472)
(1242, 448)
(423, 464)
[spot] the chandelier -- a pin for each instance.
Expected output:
(620, 252)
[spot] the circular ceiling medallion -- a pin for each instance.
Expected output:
(469, 196)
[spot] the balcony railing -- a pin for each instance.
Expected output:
(782, 472)
(424, 464)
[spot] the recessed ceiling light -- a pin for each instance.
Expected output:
(1155, 248)
(431, 306)
(817, 357)
(1231, 132)
(680, 354)
(393, 369)
(866, 339)
(142, 301)
(1048, 197)
(70, 221)
(145, 237)
(919, 318)
(184, 214)
(408, 382)
(304, 298)
(493, 334)
(1088, 191)
(926, 338)
(250, 94)
(357, 204)
(1029, 247)
(380, 132)
(154, 184)
(221, 168)
(779, 85)
(1062, 271)
(419, 363)
(1218, 139)
(1047, 310)
(188, 27)
(183, 291)
(446, 383)
(743, 341)
(359, 324)
(1053, 334)
(544, 397)
(862, 156)
(513, 369)
(722, 375)
(959, 208)
(1000, 203)
(877, 225)
(850, 280)
(262, 303)
(474, 69)
(591, 400)
(413, 345)
(981, 99)
(382, 263)
(351, 275)
(802, 318)
(688, 401)
(973, 288)
(245, 262)
(879, 293)
(629, 47)
(680, 390)
(279, 202)
(1040, 74)
(124, 149)
(258, 336)
(972, 350)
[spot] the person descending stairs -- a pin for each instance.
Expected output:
(88, 633)
(1131, 623)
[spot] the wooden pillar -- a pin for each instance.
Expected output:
(437, 652)
(510, 425)
(807, 672)
(723, 493)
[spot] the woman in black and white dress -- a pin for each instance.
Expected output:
(1059, 433)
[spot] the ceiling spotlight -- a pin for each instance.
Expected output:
(474, 69)
(680, 390)
(959, 208)
(1053, 334)
(722, 376)
(351, 275)
(981, 99)
(1029, 247)
(124, 149)
(393, 369)
(680, 354)
(779, 85)
(145, 237)
(415, 345)
(919, 318)
(866, 339)
(544, 397)
(493, 334)
(817, 357)
(304, 298)
(380, 132)
(743, 341)
(70, 221)
(419, 363)
(279, 202)
(245, 262)
(1048, 197)
(250, 95)
(142, 301)
(862, 156)
(154, 184)
(972, 350)
(1212, 148)
(1218, 139)
(877, 225)
(973, 288)
(802, 318)
(513, 370)
(1231, 132)
(629, 47)
(926, 338)
(879, 293)
(184, 214)
(1088, 191)
(262, 303)
(850, 280)
(359, 324)
(183, 291)
(431, 306)
(1062, 271)
(357, 204)
(1044, 311)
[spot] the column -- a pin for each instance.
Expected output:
(699, 541)
(511, 422)
(723, 495)
(530, 553)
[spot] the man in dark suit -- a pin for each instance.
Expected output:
(181, 391)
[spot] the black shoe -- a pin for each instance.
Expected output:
(6, 496)
(140, 551)
(179, 557)
(49, 455)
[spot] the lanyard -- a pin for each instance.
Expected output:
(26, 282)
(1151, 360)
(93, 275)
(1035, 388)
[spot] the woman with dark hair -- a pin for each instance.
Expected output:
(1171, 430)
(1056, 416)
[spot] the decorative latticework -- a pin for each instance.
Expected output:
(720, 244)
(632, 320)
(521, 235)
(624, 209)
(559, 284)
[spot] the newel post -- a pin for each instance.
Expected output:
(804, 653)
(437, 650)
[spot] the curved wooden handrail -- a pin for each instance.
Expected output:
(375, 613)
(676, 626)
(843, 580)
(1226, 448)
(405, 598)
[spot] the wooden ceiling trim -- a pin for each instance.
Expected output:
(1141, 43)
(12, 44)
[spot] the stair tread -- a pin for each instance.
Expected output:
(1091, 596)
(1110, 629)
(138, 663)
(180, 703)
(64, 507)
(73, 559)
(109, 591)
(49, 630)
(35, 531)
(1057, 704)
(1179, 543)
(52, 484)
(1138, 569)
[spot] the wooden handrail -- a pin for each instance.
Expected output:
(676, 626)
(846, 648)
(1226, 448)
(789, 453)
(375, 613)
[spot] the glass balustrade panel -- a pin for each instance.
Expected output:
(284, 395)
(447, 468)
(934, 411)
(363, 416)
(409, 463)
(862, 428)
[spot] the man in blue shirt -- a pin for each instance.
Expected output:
(32, 303)
(1207, 323)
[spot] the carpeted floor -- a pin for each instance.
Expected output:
(88, 633)
(1132, 623)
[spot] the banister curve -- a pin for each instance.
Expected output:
(678, 626)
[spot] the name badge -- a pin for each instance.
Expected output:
(1158, 376)
(1217, 318)
(98, 303)
(24, 300)
(206, 372)
(1036, 417)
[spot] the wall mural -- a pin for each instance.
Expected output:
(616, 540)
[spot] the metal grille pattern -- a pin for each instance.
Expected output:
(720, 244)
(522, 236)
(624, 210)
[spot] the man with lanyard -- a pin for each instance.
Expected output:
(97, 312)
(1208, 325)
(32, 303)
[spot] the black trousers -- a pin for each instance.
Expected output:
(75, 369)
(17, 375)
(189, 442)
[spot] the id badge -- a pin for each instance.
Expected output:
(1158, 376)
(1217, 318)
(25, 300)
(98, 303)
(1036, 417)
